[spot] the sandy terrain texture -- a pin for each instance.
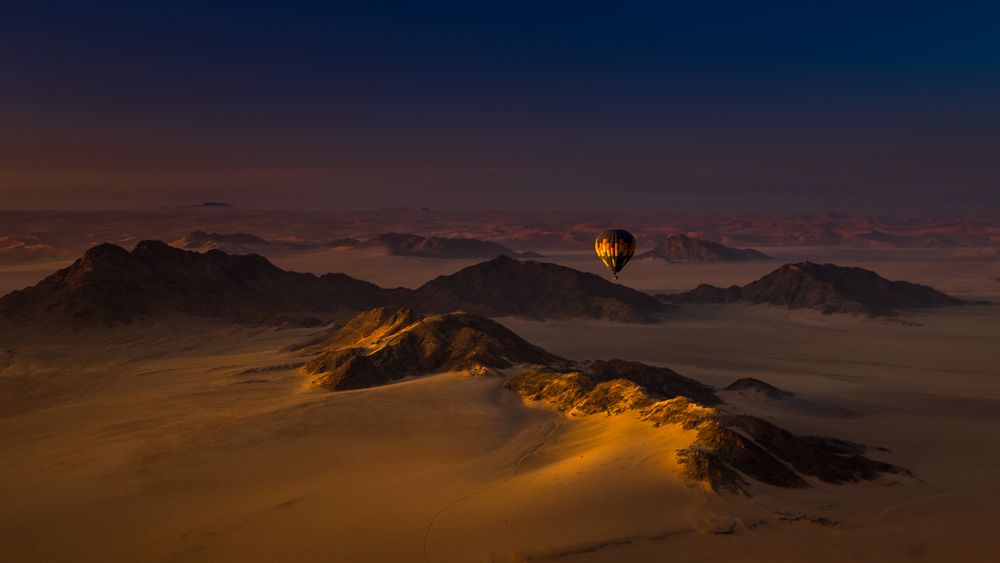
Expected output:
(205, 442)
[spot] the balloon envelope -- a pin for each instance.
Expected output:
(615, 248)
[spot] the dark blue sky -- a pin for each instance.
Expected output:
(704, 105)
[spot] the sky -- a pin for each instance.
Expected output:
(876, 106)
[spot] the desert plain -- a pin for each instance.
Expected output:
(190, 439)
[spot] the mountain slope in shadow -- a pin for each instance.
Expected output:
(111, 286)
(507, 287)
(825, 287)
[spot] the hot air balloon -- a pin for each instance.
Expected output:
(614, 248)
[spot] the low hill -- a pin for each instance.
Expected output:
(752, 385)
(825, 287)
(507, 287)
(681, 248)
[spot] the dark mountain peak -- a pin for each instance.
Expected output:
(826, 287)
(384, 345)
(681, 247)
(762, 387)
(501, 260)
(104, 251)
(155, 249)
(504, 286)
(817, 270)
(110, 286)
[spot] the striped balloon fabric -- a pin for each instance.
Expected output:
(615, 248)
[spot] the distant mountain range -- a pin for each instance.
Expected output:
(396, 244)
(826, 287)
(682, 248)
(110, 285)
(384, 345)
(399, 244)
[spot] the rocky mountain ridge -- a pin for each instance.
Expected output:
(825, 287)
(112, 286)
(729, 450)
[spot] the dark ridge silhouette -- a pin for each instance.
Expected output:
(825, 287)
(680, 248)
(507, 287)
(758, 386)
(112, 286)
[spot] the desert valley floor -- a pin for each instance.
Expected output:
(186, 441)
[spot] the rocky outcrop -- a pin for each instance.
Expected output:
(729, 450)
(384, 345)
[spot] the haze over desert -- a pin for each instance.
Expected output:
(163, 430)
(439, 282)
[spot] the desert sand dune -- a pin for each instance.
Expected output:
(189, 459)
(200, 441)
(166, 444)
